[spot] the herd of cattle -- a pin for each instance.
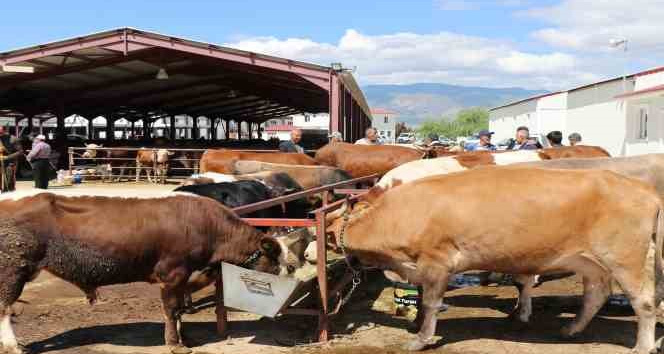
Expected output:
(431, 215)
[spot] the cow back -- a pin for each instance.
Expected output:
(222, 160)
(364, 160)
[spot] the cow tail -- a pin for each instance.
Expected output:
(659, 263)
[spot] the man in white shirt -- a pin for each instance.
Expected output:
(370, 137)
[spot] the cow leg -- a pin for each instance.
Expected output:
(432, 298)
(138, 171)
(172, 300)
(524, 305)
(639, 286)
(596, 290)
(13, 280)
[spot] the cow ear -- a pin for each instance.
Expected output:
(271, 247)
(171, 153)
(373, 194)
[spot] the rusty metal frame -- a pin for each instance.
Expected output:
(323, 313)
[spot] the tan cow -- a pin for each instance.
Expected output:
(442, 165)
(647, 168)
(223, 160)
(595, 223)
(306, 176)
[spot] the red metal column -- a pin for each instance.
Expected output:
(335, 114)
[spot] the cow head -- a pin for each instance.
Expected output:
(91, 151)
(273, 257)
(347, 213)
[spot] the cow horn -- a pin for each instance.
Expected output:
(337, 213)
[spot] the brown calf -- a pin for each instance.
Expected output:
(156, 240)
(365, 160)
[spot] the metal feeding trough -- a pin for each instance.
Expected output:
(257, 292)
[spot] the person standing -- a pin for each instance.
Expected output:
(574, 139)
(10, 151)
(292, 145)
(38, 157)
(370, 137)
(555, 138)
(523, 141)
(335, 137)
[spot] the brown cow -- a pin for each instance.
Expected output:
(595, 223)
(424, 168)
(159, 168)
(365, 160)
(156, 240)
(223, 160)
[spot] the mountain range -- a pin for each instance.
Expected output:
(417, 102)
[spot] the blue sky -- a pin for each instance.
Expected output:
(529, 43)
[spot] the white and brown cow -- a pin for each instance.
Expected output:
(161, 240)
(415, 170)
(155, 162)
(595, 223)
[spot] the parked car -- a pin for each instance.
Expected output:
(406, 138)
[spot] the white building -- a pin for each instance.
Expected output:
(626, 117)
(385, 122)
(312, 121)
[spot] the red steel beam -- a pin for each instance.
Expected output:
(316, 76)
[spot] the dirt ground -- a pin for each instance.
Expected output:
(54, 317)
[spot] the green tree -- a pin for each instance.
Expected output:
(466, 122)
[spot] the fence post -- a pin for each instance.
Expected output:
(154, 165)
(71, 160)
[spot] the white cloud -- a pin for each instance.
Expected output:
(446, 57)
(589, 25)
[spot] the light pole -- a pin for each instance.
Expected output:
(616, 43)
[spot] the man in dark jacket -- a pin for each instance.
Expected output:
(10, 151)
(555, 138)
(523, 140)
(292, 144)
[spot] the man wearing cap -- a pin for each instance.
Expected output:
(523, 141)
(292, 144)
(485, 142)
(335, 137)
(10, 151)
(574, 139)
(38, 158)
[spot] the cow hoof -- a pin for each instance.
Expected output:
(516, 316)
(418, 344)
(180, 349)
(568, 332)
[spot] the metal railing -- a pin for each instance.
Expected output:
(326, 309)
(106, 168)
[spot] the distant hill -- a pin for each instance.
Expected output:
(417, 102)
